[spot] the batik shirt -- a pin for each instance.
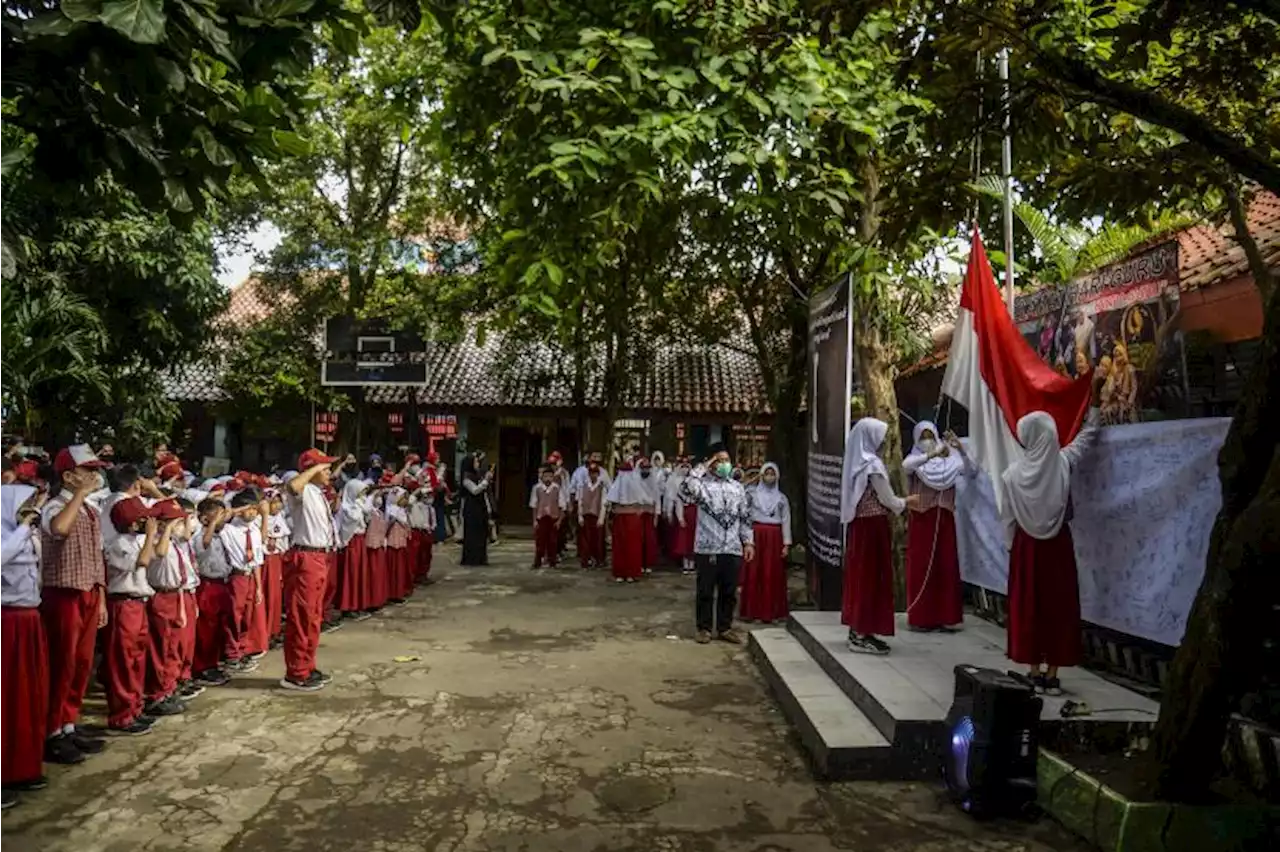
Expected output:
(724, 514)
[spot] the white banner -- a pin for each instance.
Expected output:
(1145, 499)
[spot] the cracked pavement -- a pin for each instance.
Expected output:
(547, 711)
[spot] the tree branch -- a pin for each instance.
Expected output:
(1149, 106)
(1262, 276)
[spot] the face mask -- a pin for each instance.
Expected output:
(771, 480)
(723, 469)
(644, 474)
(351, 469)
(928, 445)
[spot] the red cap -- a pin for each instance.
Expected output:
(169, 470)
(312, 457)
(77, 455)
(554, 457)
(433, 457)
(168, 510)
(388, 478)
(128, 512)
(412, 458)
(27, 471)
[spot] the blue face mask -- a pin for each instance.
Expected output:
(723, 469)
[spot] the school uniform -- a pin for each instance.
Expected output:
(590, 501)
(421, 539)
(628, 499)
(187, 635)
(128, 631)
(24, 660)
(245, 553)
(549, 504)
(168, 577)
(74, 576)
(764, 578)
(277, 545)
(399, 571)
(353, 590)
(312, 539)
(375, 549)
(215, 636)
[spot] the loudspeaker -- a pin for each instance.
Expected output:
(989, 757)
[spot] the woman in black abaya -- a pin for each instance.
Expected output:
(475, 512)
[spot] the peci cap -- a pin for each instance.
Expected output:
(168, 510)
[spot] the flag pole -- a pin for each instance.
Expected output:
(1006, 167)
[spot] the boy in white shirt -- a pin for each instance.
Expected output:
(125, 658)
(166, 613)
(188, 686)
(213, 597)
(243, 537)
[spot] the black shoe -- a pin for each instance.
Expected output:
(274, 643)
(135, 729)
(319, 677)
(147, 718)
(29, 786)
(331, 627)
(881, 645)
(170, 706)
(9, 799)
(398, 601)
(244, 665)
(301, 686)
(87, 745)
(1052, 686)
(61, 749)
(213, 677)
(867, 645)
(1039, 681)
(190, 690)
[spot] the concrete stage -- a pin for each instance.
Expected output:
(863, 716)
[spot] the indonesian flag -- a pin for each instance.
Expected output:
(994, 373)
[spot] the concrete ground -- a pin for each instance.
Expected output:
(501, 709)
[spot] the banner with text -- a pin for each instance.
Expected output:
(830, 389)
(1114, 320)
(1145, 499)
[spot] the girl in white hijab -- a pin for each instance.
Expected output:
(1044, 592)
(24, 659)
(682, 517)
(934, 591)
(866, 499)
(353, 578)
(764, 579)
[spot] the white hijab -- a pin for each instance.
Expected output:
(677, 477)
(351, 512)
(767, 497)
(12, 497)
(628, 489)
(861, 460)
(394, 511)
(1037, 485)
(939, 472)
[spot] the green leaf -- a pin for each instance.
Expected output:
(176, 194)
(13, 157)
(172, 74)
(554, 272)
(50, 24)
(593, 63)
(489, 33)
(217, 153)
(291, 143)
(493, 56)
(81, 10)
(513, 234)
(141, 21)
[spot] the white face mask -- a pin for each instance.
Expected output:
(928, 445)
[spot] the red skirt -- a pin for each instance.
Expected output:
(401, 572)
(426, 544)
(379, 586)
(682, 537)
(934, 594)
(764, 579)
(353, 591)
(628, 545)
(1044, 600)
(867, 605)
(24, 693)
(650, 555)
(273, 594)
(333, 581)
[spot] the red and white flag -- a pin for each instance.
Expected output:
(994, 373)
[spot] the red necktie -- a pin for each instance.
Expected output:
(248, 548)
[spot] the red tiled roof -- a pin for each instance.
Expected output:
(1207, 255)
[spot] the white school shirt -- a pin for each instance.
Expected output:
(211, 561)
(311, 518)
(165, 573)
(421, 511)
(124, 575)
(242, 544)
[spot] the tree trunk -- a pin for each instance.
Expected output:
(1221, 654)
(788, 433)
(874, 366)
